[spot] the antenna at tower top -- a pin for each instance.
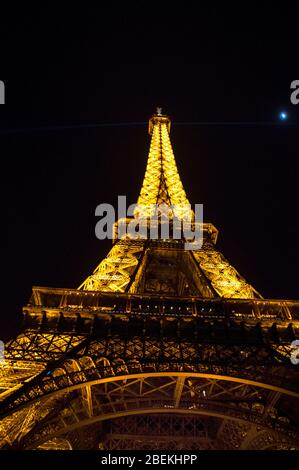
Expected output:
(159, 111)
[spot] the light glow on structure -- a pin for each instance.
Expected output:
(162, 186)
(155, 329)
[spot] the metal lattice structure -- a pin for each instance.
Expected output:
(159, 348)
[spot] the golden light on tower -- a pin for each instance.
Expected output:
(162, 185)
(168, 348)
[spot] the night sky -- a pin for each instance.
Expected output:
(81, 84)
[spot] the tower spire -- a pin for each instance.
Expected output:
(162, 183)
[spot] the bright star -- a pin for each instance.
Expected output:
(283, 116)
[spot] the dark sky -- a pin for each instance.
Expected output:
(222, 75)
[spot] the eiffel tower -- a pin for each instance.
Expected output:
(159, 348)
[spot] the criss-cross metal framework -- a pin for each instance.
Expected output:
(160, 348)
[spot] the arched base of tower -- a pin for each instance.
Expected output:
(170, 432)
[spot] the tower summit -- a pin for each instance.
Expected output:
(162, 183)
(159, 348)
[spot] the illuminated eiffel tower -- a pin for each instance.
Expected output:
(160, 348)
